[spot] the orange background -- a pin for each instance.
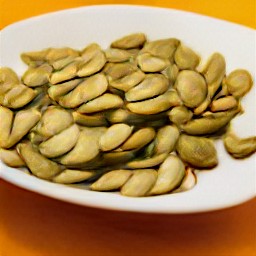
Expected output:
(35, 225)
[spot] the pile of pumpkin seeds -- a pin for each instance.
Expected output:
(138, 117)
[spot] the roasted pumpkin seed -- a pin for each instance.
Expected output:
(197, 151)
(239, 147)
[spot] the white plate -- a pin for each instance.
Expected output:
(232, 182)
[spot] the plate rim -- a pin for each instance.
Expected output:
(17, 23)
(40, 189)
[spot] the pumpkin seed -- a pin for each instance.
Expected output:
(170, 175)
(103, 102)
(114, 136)
(209, 124)
(117, 158)
(11, 158)
(70, 176)
(171, 72)
(112, 180)
(38, 76)
(166, 139)
(188, 182)
(18, 96)
(164, 48)
(61, 143)
(87, 90)
(147, 162)
(39, 165)
(13, 129)
(180, 115)
(90, 120)
(197, 151)
(152, 85)
(125, 116)
(53, 121)
(54, 55)
(223, 104)
(191, 87)
(86, 148)
(67, 73)
(117, 55)
(239, 147)
(139, 139)
(56, 91)
(131, 41)
(93, 60)
(155, 105)
(128, 82)
(214, 73)
(35, 58)
(150, 63)
(186, 58)
(8, 76)
(239, 82)
(140, 183)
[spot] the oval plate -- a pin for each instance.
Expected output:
(232, 182)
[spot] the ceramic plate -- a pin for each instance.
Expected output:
(232, 182)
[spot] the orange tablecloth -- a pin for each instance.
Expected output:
(31, 224)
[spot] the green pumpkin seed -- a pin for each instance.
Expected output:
(186, 58)
(61, 143)
(150, 63)
(103, 102)
(86, 149)
(56, 54)
(53, 121)
(239, 147)
(39, 165)
(18, 96)
(67, 73)
(171, 72)
(87, 90)
(128, 82)
(36, 58)
(214, 73)
(70, 176)
(115, 136)
(117, 55)
(56, 91)
(131, 41)
(164, 48)
(191, 87)
(140, 183)
(239, 82)
(139, 139)
(155, 105)
(93, 60)
(180, 115)
(11, 158)
(209, 124)
(151, 86)
(117, 158)
(93, 120)
(13, 128)
(38, 76)
(112, 180)
(188, 182)
(197, 151)
(166, 139)
(170, 175)
(224, 104)
(8, 76)
(147, 162)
